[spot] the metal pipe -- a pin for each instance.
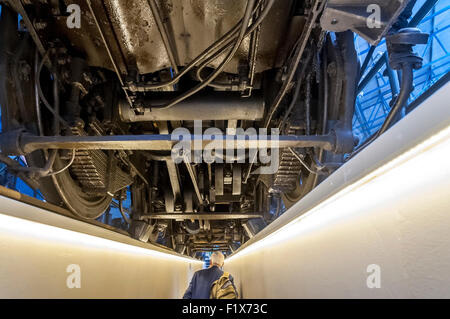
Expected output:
(194, 181)
(163, 33)
(163, 142)
(203, 216)
(36, 95)
(220, 106)
(254, 44)
(407, 75)
(108, 50)
(125, 218)
(429, 92)
(392, 77)
(407, 85)
(308, 104)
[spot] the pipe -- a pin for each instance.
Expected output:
(407, 85)
(163, 33)
(225, 86)
(108, 50)
(125, 218)
(26, 143)
(220, 106)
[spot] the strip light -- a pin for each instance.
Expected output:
(386, 182)
(425, 164)
(23, 228)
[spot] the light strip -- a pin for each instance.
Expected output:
(424, 164)
(23, 228)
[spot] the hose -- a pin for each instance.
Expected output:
(405, 91)
(33, 170)
(402, 98)
(65, 167)
(301, 161)
(125, 218)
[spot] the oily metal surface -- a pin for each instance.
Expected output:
(192, 25)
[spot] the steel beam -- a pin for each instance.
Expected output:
(13, 142)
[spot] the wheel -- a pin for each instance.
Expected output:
(80, 203)
(19, 109)
(305, 183)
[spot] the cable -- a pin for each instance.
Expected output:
(202, 85)
(296, 57)
(41, 94)
(127, 220)
(33, 170)
(217, 85)
(292, 104)
(301, 74)
(37, 100)
(407, 85)
(250, 30)
(163, 33)
(65, 167)
(301, 161)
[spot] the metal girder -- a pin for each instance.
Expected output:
(174, 175)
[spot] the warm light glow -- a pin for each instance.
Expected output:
(41, 232)
(422, 165)
(425, 164)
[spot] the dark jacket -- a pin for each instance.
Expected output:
(200, 286)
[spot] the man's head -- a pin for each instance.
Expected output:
(217, 259)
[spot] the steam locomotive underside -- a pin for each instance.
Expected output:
(212, 117)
